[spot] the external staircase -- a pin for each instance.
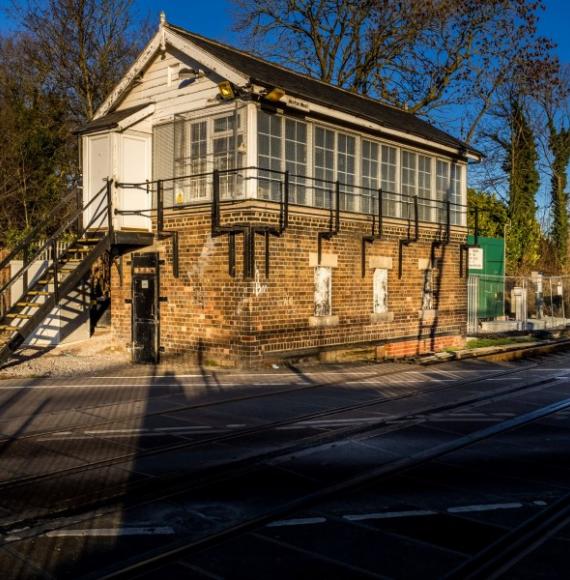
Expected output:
(62, 261)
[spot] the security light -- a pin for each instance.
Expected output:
(226, 90)
(275, 95)
(190, 74)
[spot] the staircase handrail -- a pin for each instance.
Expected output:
(35, 231)
(50, 240)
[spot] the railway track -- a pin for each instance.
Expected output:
(490, 563)
(147, 488)
(231, 470)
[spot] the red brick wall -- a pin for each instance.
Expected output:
(228, 319)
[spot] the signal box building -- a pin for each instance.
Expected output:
(278, 216)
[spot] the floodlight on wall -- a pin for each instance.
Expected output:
(275, 95)
(226, 91)
(190, 74)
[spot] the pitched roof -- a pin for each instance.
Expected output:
(111, 120)
(303, 86)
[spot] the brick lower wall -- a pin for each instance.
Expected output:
(210, 316)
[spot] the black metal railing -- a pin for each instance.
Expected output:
(232, 185)
(36, 246)
(268, 184)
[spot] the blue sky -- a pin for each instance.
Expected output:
(213, 18)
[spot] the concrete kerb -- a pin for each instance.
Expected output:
(501, 353)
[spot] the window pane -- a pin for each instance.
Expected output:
(227, 156)
(269, 143)
(190, 161)
(442, 185)
(345, 170)
(408, 183)
(370, 177)
(324, 166)
(296, 159)
(389, 165)
(455, 195)
(424, 188)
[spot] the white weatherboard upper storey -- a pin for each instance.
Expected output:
(152, 50)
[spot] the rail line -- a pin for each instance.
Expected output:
(500, 555)
(227, 470)
(266, 427)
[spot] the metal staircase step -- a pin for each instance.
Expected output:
(7, 328)
(37, 293)
(18, 315)
(28, 304)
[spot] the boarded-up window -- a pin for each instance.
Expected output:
(380, 290)
(323, 289)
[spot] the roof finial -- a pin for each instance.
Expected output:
(162, 17)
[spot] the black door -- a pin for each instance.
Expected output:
(145, 337)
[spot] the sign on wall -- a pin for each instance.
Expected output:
(475, 258)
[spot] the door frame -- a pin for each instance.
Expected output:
(92, 210)
(122, 221)
(146, 266)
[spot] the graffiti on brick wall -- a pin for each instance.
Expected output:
(197, 272)
(259, 288)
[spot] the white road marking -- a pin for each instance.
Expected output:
(297, 522)
(539, 502)
(467, 420)
(113, 532)
(388, 515)
(484, 507)
(112, 431)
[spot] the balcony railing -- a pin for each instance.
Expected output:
(268, 184)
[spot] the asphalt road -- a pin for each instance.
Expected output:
(386, 471)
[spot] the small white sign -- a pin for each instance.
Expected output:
(475, 258)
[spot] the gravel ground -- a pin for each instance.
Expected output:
(80, 358)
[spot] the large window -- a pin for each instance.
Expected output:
(324, 166)
(269, 150)
(361, 166)
(296, 159)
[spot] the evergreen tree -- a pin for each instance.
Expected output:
(524, 233)
(492, 213)
(559, 143)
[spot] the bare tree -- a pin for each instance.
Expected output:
(83, 45)
(417, 54)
